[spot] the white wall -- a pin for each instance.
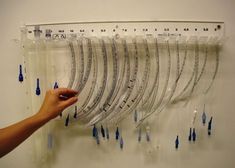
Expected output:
(80, 151)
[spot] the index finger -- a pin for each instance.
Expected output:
(66, 91)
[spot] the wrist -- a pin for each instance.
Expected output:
(40, 118)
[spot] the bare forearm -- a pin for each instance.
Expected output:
(53, 105)
(12, 136)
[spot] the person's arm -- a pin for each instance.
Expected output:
(54, 103)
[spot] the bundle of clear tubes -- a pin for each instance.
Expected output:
(118, 74)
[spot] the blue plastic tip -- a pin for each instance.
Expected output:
(97, 139)
(67, 121)
(117, 134)
(21, 78)
(75, 113)
(96, 134)
(177, 142)
(121, 143)
(211, 120)
(94, 131)
(209, 132)
(102, 131)
(107, 133)
(135, 116)
(194, 135)
(38, 91)
(210, 126)
(56, 85)
(139, 135)
(190, 134)
(203, 118)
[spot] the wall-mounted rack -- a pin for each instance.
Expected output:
(130, 28)
(121, 67)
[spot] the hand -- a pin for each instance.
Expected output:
(56, 101)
